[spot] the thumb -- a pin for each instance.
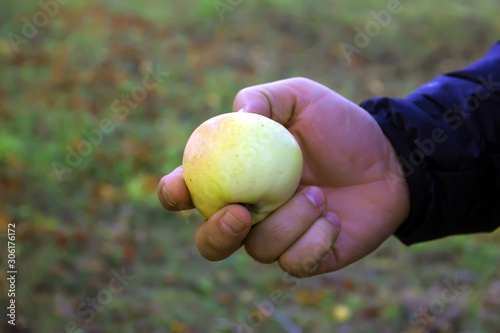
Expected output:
(278, 100)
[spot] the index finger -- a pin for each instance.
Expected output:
(222, 234)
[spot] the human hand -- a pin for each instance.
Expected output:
(344, 207)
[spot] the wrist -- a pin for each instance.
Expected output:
(398, 184)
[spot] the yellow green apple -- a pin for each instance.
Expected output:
(241, 158)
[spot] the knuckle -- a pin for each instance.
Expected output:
(309, 265)
(259, 254)
(322, 240)
(293, 268)
(288, 264)
(281, 232)
(302, 80)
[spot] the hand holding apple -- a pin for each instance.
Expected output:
(344, 207)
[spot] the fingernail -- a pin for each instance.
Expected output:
(315, 195)
(334, 218)
(167, 197)
(231, 225)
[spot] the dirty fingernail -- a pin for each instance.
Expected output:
(231, 225)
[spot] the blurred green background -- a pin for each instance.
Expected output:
(97, 100)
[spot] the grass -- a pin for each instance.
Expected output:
(103, 215)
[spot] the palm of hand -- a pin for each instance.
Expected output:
(345, 154)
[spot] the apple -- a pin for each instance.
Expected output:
(241, 158)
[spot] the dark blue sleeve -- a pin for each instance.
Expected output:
(447, 136)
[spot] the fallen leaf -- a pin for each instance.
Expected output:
(310, 297)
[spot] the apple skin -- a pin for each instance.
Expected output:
(241, 158)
